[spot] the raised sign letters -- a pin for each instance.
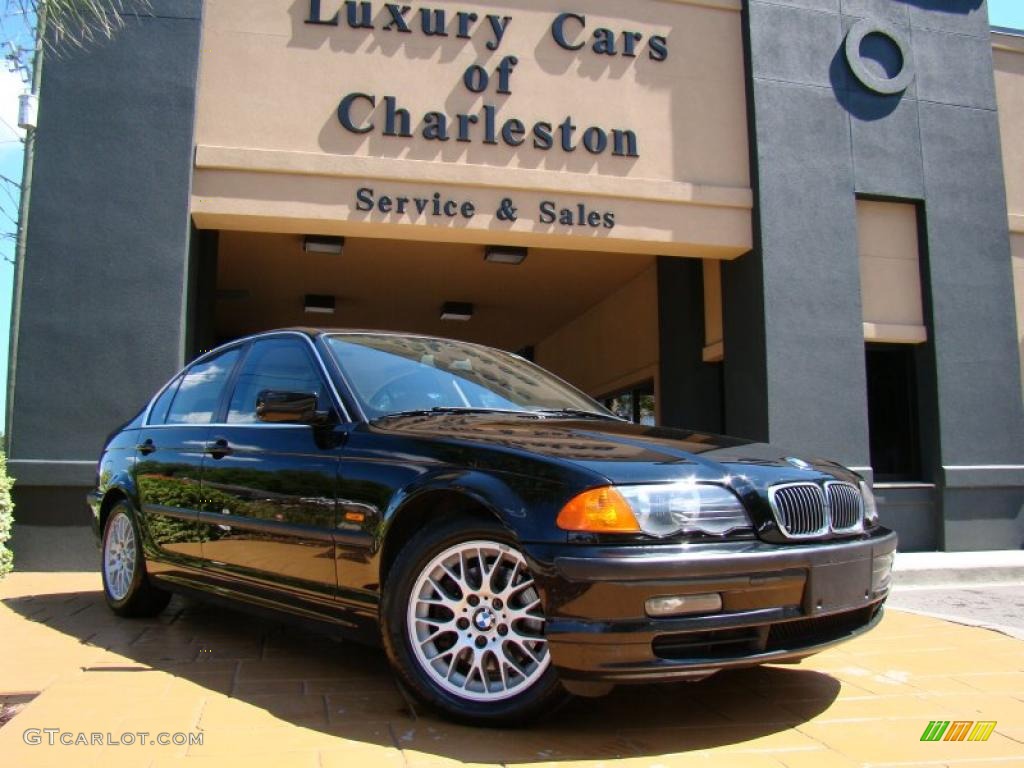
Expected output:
(363, 113)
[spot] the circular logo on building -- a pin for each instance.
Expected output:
(798, 463)
(886, 80)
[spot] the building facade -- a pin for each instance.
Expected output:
(790, 220)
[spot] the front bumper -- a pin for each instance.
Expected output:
(779, 603)
(94, 499)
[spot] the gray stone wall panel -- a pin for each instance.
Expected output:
(954, 69)
(793, 44)
(107, 241)
(886, 146)
(971, 288)
(816, 148)
(961, 17)
(889, 10)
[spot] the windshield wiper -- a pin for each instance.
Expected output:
(539, 413)
(458, 409)
(576, 413)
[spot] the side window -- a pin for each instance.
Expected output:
(201, 388)
(279, 364)
(158, 413)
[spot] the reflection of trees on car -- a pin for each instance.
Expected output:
(169, 491)
(166, 484)
(294, 482)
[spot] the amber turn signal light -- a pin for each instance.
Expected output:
(599, 510)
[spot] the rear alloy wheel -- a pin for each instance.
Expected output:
(125, 584)
(470, 639)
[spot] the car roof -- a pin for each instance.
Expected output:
(314, 331)
(321, 331)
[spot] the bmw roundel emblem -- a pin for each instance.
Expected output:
(798, 463)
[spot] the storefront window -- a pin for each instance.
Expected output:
(635, 404)
(892, 412)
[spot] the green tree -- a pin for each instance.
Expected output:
(74, 23)
(6, 518)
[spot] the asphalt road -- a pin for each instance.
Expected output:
(999, 606)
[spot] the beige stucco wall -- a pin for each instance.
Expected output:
(1008, 59)
(612, 345)
(714, 333)
(890, 272)
(273, 156)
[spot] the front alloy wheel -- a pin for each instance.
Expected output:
(476, 624)
(464, 625)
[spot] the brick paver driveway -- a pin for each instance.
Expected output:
(263, 694)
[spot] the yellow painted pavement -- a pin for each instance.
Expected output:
(265, 694)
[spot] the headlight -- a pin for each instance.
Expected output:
(658, 510)
(870, 507)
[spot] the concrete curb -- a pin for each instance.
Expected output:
(917, 569)
(54, 548)
(1003, 629)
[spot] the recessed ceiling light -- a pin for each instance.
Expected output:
(319, 304)
(457, 310)
(323, 244)
(504, 254)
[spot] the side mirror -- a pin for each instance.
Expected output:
(277, 407)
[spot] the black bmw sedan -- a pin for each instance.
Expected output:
(506, 538)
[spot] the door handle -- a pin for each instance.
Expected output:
(146, 447)
(218, 448)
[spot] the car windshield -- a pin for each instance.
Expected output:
(391, 374)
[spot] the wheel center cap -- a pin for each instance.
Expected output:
(484, 620)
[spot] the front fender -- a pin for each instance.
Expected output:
(525, 505)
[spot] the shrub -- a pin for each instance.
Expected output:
(6, 518)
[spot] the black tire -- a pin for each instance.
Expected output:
(138, 598)
(539, 696)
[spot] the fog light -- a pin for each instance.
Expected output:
(680, 605)
(881, 572)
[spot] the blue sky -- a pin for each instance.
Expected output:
(12, 28)
(1002, 13)
(1006, 13)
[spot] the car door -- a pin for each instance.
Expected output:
(169, 460)
(273, 484)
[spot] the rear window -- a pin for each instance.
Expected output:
(158, 413)
(201, 388)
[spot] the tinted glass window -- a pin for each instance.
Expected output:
(892, 412)
(201, 388)
(394, 374)
(635, 404)
(278, 364)
(158, 414)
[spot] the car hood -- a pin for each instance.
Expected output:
(619, 451)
